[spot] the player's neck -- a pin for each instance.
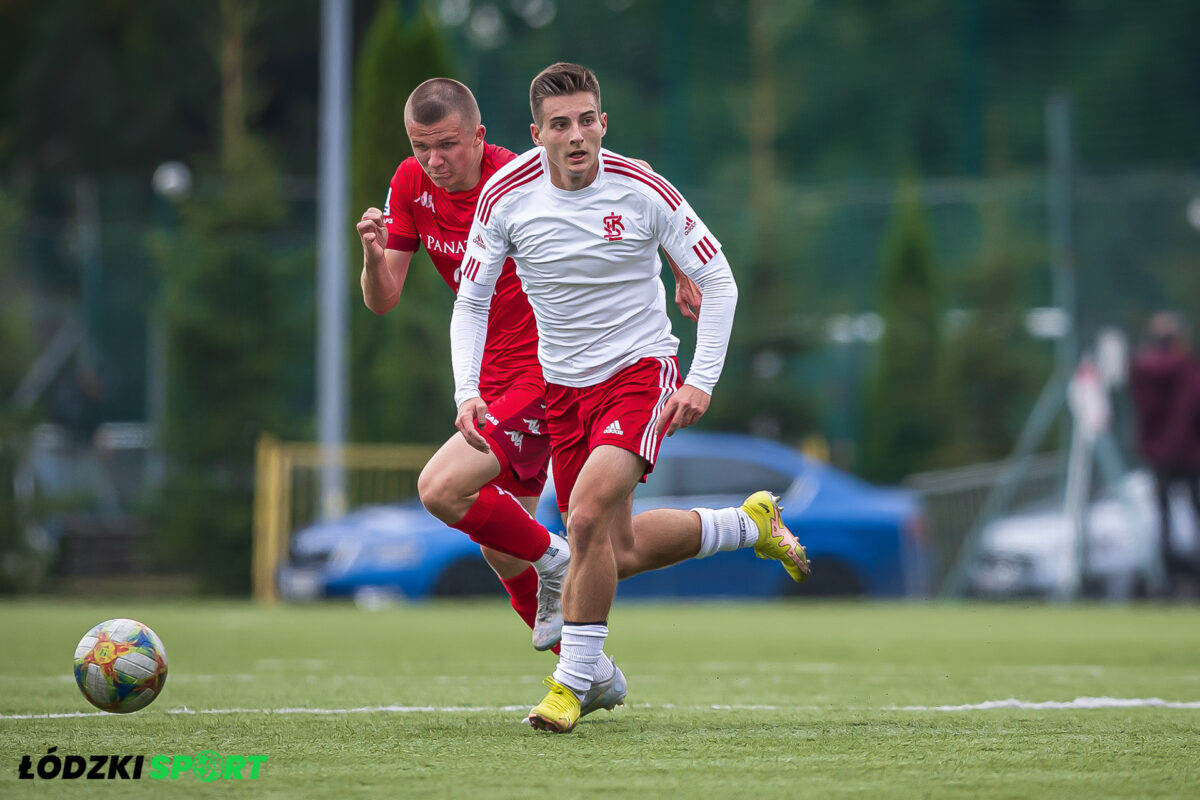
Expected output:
(471, 181)
(568, 182)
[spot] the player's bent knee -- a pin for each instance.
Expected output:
(439, 495)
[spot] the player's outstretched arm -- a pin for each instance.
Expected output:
(384, 270)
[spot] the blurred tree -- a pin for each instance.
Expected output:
(96, 86)
(16, 339)
(116, 86)
(233, 324)
(401, 384)
(994, 368)
(768, 333)
(903, 422)
(16, 343)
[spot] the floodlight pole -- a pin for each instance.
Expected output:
(332, 214)
(1061, 200)
(1066, 352)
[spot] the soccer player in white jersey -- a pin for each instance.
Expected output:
(583, 226)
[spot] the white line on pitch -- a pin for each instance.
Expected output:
(1079, 703)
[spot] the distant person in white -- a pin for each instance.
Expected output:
(583, 226)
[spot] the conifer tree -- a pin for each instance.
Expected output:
(401, 385)
(902, 424)
(237, 313)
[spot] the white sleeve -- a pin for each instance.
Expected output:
(468, 334)
(716, 322)
(698, 254)
(482, 261)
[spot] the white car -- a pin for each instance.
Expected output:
(1033, 552)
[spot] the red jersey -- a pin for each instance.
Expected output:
(419, 213)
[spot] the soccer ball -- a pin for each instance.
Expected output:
(120, 666)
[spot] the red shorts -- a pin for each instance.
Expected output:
(517, 432)
(621, 411)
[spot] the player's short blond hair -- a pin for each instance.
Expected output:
(438, 98)
(560, 79)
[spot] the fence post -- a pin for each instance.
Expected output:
(267, 535)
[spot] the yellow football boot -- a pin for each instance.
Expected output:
(774, 539)
(558, 712)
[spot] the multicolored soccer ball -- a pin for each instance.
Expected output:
(120, 666)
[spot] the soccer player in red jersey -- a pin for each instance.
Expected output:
(489, 496)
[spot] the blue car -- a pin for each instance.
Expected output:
(860, 539)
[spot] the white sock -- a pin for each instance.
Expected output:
(604, 669)
(725, 529)
(556, 557)
(582, 648)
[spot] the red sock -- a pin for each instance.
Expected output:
(498, 521)
(522, 591)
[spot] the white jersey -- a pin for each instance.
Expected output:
(588, 261)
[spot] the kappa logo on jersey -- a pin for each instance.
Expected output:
(478, 242)
(426, 199)
(613, 227)
(532, 424)
(689, 225)
(614, 427)
(387, 204)
(517, 437)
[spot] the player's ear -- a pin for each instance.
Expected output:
(603, 123)
(535, 134)
(479, 134)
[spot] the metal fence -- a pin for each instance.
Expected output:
(956, 498)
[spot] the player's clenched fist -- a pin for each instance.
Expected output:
(373, 233)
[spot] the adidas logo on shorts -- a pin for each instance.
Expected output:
(614, 427)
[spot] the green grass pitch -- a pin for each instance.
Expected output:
(782, 700)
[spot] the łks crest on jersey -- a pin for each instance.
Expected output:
(613, 227)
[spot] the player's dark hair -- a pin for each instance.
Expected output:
(560, 79)
(438, 98)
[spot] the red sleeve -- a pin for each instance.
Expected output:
(397, 210)
(499, 156)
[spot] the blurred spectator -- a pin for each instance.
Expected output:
(1165, 384)
(75, 401)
